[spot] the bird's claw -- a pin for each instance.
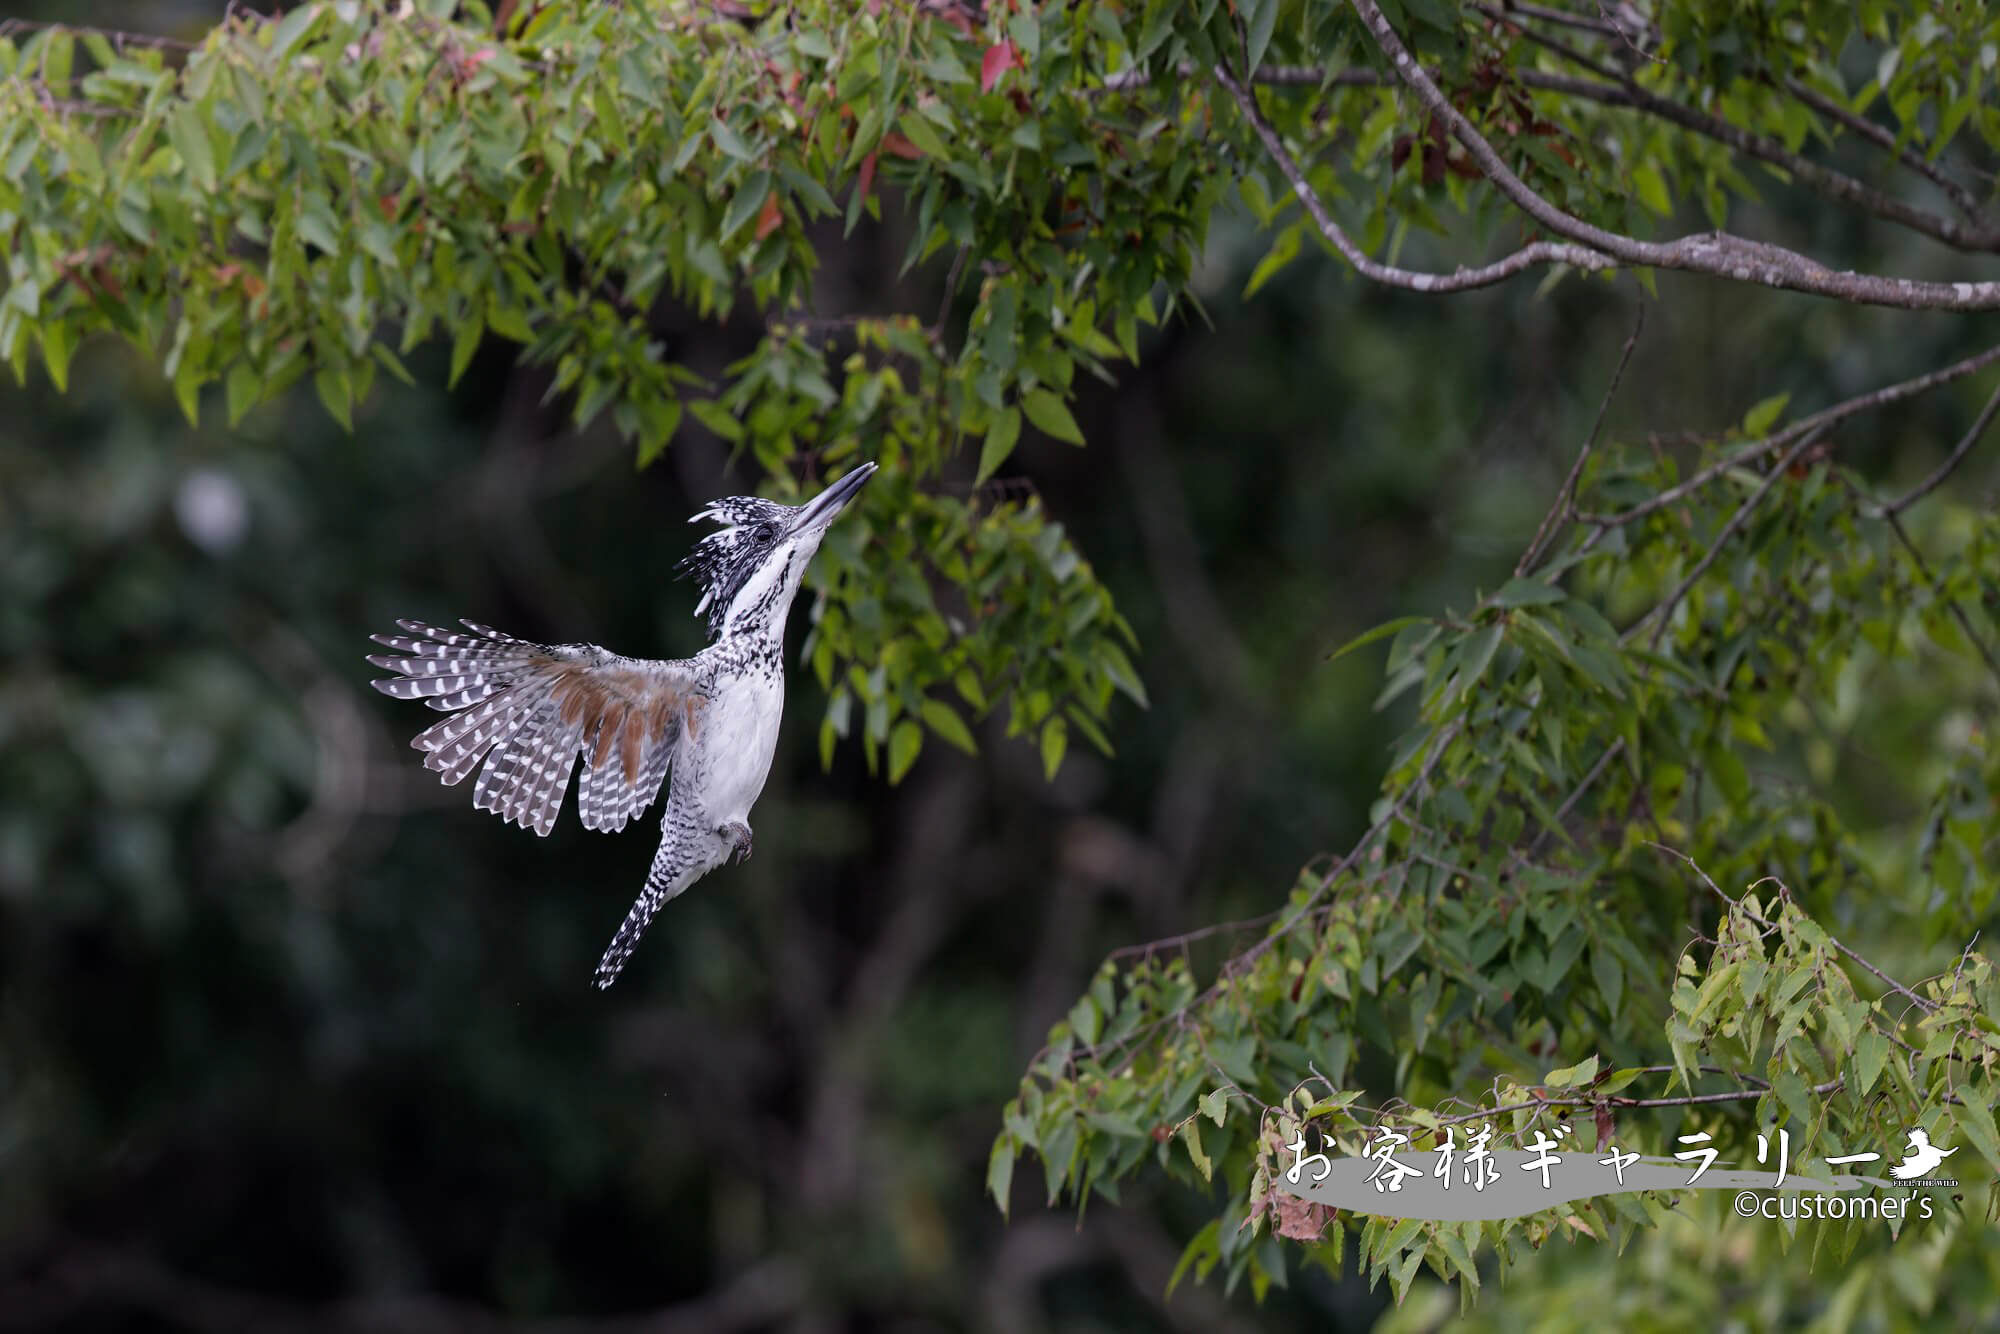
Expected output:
(737, 835)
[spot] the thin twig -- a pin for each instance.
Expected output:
(950, 290)
(1616, 1100)
(1716, 254)
(118, 39)
(1756, 449)
(1927, 1007)
(1957, 612)
(1625, 91)
(1611, 752)
(1565, 508)
(1459, 280)
(1665, 610)
(1963, 199)
(1945, 469)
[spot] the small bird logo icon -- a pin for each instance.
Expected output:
(1920, 1158)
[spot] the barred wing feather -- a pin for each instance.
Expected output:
(530, 711)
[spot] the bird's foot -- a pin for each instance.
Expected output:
(737, 835)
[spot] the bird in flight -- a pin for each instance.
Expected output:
(531, 710)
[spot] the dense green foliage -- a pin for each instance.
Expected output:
(1655, 703)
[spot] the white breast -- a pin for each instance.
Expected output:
(735, 740)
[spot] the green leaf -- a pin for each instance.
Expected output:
(919, 131)
(1570, 1076)
(1527, 593)
(292, 29)
(1974, 1116)
(1382, 631)
(1051, 416)
(658, 424)
(1055, 740)
(1215, 1105)
(743, 206)
(1000, 1171)
(1201, 1252)
(716, 418)
(1760, 418)
(242, 387)
(1001, 437)
(1282, 252)
(728, 140)
(1871, 1049)
(464, 342)
(58, 345)
(189, 136)
(1191, 1136)
(905, 740)
(336, 391)
(1479, 650)
(1651, 189)
(944, 720)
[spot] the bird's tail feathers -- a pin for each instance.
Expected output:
(667, 878)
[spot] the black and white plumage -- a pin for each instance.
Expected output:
(706, 726)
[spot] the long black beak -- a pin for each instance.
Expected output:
(822, 509)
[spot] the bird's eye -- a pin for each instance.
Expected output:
(767, 531)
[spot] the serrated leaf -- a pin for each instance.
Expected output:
(1191, 1136)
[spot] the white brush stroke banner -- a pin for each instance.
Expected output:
(1517, 1190)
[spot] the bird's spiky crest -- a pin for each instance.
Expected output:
(722, 561)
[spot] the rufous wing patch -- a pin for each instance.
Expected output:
(628, 710)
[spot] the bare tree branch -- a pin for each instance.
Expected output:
(1459, 280)
(1926, 1006)
(1825, 181)
(1716, 254)
(1962, 198)
(1756, 449)
(1977, 234)
(1950, 465)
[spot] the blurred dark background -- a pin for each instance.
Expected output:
(292, 1038)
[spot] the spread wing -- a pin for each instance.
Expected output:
(531, 709)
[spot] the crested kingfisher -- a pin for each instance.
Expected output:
(530, 710)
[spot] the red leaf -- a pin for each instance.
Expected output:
(770, 217)
(994, 65)
(895, 143)
(867, 174)
(1301, 1220)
